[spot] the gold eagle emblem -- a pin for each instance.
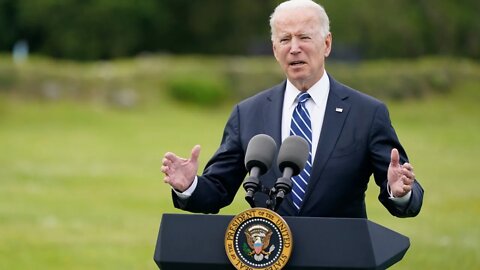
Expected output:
(258, 239)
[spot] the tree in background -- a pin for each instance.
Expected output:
(104, 29)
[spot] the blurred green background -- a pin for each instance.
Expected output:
(93, 93)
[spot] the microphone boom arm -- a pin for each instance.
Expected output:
(252, 185)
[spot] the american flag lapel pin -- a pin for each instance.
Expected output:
(339, 110)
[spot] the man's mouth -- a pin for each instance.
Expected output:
(297, 63)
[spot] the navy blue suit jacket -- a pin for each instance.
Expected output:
(354, 144)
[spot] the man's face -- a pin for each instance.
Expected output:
(299, 46)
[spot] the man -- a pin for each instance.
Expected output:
(350, 135)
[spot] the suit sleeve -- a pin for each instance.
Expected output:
(222, 175)
(382, 140)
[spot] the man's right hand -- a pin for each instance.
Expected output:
(180, 172)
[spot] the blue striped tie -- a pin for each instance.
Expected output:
(301, 126)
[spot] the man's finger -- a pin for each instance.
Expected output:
(408, 174)
(394, 158)
(166, 179)
(408, 166)
(195, 153)
(166, 162)
(166, 170)
(170, 156)
(407, 180)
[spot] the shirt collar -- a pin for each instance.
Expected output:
(318, 92)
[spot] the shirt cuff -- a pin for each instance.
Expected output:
(188, 192)
(400, 201)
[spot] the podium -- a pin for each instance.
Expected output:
(192, 241)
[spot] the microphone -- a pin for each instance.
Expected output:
(261, 150)
(291, 160)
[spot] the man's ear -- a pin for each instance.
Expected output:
(274, 48)
(328, 44)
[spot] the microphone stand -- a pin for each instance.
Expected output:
(252, 185)
(276, 194)
(282, 187)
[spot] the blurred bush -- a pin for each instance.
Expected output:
(199, 90)
(7, 78)
(401, 79)
(247, 76)
(208, 81)
(384, 79)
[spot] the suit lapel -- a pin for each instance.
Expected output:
(336, 112)
(272, 123)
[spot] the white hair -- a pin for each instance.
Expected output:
(324, 25)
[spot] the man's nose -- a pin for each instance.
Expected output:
(295, 46)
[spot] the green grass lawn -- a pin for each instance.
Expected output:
(81, 188)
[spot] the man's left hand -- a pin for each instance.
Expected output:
(400, 177)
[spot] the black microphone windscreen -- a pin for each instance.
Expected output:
(261, 150)
(293, 154)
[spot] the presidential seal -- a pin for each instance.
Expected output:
(258, 238)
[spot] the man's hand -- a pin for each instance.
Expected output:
(180, 172)
(400, 177)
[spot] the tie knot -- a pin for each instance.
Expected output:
(303, 97)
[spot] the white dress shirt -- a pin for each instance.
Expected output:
(315, 105)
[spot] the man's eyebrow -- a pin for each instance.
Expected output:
(284, 35)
